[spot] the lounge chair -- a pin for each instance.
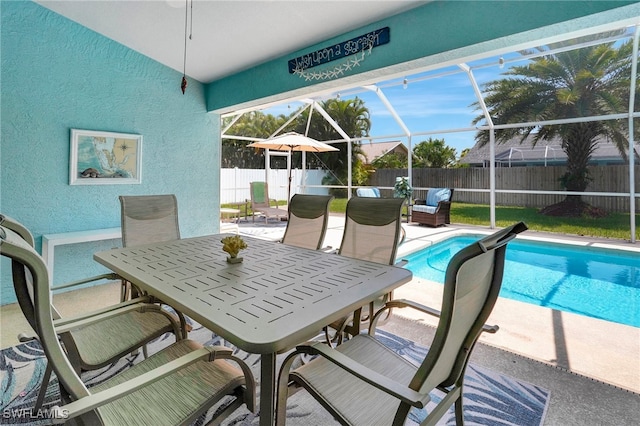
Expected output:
(435, 209)
(174, 386)
(308, 218)
(372, 231)
(261, 203)
(362, 382)
(125, 328)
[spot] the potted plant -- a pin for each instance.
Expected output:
(402, 189)
(233, 245)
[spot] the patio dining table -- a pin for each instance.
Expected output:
(278, 297)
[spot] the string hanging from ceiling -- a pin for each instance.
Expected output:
(188, 8)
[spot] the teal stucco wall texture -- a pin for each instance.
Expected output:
(56, 76)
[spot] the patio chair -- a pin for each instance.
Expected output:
(362, 382)
(372, 231)
(308, 218)
(109, 334)
(147, 219)
(435, 209)
(261, 203)
(174, 386)
(374, 192)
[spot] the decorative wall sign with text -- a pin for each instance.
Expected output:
(357, 47)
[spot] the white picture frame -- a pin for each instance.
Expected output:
(105, 158)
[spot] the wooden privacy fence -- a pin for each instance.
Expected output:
(614, 178)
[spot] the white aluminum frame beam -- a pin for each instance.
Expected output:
(490, 126)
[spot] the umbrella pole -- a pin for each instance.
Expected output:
(289, 190)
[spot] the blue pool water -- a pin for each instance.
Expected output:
(595, 282)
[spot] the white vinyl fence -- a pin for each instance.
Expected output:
(234, 183)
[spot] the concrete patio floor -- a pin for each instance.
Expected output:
(590, 366)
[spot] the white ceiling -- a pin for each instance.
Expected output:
(228, 36)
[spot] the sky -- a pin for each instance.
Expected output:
(424, 105)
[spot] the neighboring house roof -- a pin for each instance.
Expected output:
(514, 153)
(372, 151)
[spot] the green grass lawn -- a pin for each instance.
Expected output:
(616, 225)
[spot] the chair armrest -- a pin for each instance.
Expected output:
(93, 401)
(111, 308)
(420, 202)
(69, 324)
(384, 383)
(404, 303)
(109, 276)
(24, 337)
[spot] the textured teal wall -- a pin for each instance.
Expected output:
(427, 35)
(57, 75)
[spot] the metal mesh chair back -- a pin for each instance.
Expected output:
(308, 218)
(372, 229)
(149, 219)
(472, 283)
(22, 278)
(18, 228)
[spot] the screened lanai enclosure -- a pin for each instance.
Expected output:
(540, 123)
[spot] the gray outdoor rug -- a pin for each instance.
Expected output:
(490, 398)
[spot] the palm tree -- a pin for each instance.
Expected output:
(434, 153)
(252, 124)
(590, 81)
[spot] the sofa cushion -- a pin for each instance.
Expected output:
(368, 192)
(424, 209)
(435, 195)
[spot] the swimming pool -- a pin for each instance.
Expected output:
(595, 282)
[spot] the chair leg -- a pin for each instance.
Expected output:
(124, 291)
(43, 388)
(459, 412)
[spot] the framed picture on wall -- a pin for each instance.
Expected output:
(104, 158)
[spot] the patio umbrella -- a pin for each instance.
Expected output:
(293, 142)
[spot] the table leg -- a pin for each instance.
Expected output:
(267, 389)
